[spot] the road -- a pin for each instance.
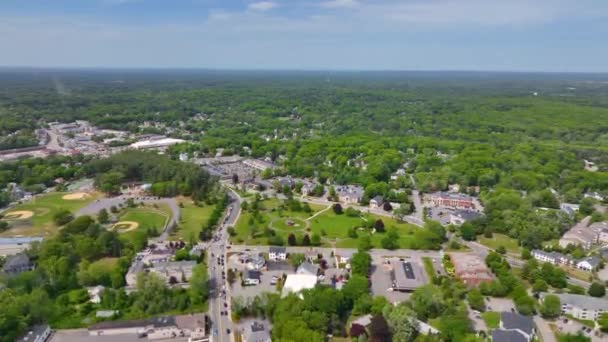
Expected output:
(53, 143)
(93, 208)
(219, 301)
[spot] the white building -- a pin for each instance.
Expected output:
(588, 264)
(155, 143)
(295, 283)
(580, 306)
(277, 253)
(554, 258)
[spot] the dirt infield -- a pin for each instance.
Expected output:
(125, 226)
(75, 196)
(18, 215)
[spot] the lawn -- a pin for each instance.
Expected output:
(147, 217)
(498, 240)
(429, 268)
(491, 318)
(44, 208)
(191, 220)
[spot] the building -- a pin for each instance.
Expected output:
(174, 271)
(514, 327)
(15, 264)
(376, 202)
(594, 195)
(580, 235)
(252, 277)
(349, 194)
(256, 332)
(397, 174)
(155, 143)
(602, 229)
(158, 328)
(37, 333)
(295, 283)
(258, 164)
(277, 253)
(554, 258)
(95, 293)
(405, 275)
(460, 216)
(256, 262)
(580, 306)
(588, 264)
(470, 269)
(450, 200)
(308, 268)
(569, 208)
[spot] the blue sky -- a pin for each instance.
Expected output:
(506, 35)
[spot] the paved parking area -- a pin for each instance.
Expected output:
(573, 327)
(382, 281)
(499, 304)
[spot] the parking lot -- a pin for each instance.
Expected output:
(568, 326)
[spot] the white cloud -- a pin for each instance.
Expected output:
(262, 6)
(340, 4)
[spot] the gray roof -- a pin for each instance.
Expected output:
(257, 333)
(309, 268)
(581, 301)
(499, 335)
(592, 260)
(16, 261)
(33, 333)
(512, 320)
(253, 274)
(466, 215)
(157, 322)
(277, 250)
(378, 199)
(555, 255)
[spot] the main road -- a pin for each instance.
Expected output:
(219, 300)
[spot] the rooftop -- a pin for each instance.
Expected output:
(298, 282)
(499, 335)
(589, 303)
(512, 320)
(33, 333)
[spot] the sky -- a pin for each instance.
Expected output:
(489, 35)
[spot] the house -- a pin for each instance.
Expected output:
(256, 332)
(569, 208)
(256, 262)
(376, 202)
(554, 258)
(512, 323)
(580, 306)
(594, 195)
(277, 253)
(588, 264)
(359, 326)
(252, 277)
(460, 216)
(405, 275)
(15, 264)
(95, 293)
(350, 194)
(452, 200)
(37, 333)
(308, 268)
(295, 283)
(470, 269)
(602, 229)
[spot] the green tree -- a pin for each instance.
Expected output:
(476, 300)
(360, 263)
(110, 182)
(403, 323)
(62, 217)
(551, 306)
(365, 243)
(103, 216)
(427, 301)
(597, 289)
(391, 240)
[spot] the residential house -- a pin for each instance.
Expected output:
(256, 262)
(450, 200)
(470, 269)
(594, 195)
(256, 332)
(376, 202)
(580, 306)
(554, 258)
(460, 216)
(588, 264)
(15, 264)
(350, 194)
(308, 268)
(277, 253)
(602, 229)
(511, 323)
(37, 333)
(252, 277)
(569, 208)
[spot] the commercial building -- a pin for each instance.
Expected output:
(155, 143)
(452, 200)
(580, 306)
(158, 328)
(295, 283)
(405, 275)
(581, 235)
(37, 333)
(470, 269)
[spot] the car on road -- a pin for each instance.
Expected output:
(228, 331)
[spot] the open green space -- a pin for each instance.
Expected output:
(491, 318)
(151, 220)
(192, 218)
(497, 240)
(44, 208)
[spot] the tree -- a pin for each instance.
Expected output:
(315, 240)
(427, 301)
(103, 216)
(110, 182)
(391, 240)
(501, 249)
(579, 337)
(63, 216)
(355, 287)
(387, 206)
(476, 300)
(603, 322)
(337, 207)
(235, 179)
(199, 284)
(306, 240)
(360, 263)
(525, 254)
(587, 206)
(365, 243)
(540, 286)
(597, 289)
(468, 231)
(291, 240)
(379, 226)
(379, 329)
(551, 306)
(403, 323)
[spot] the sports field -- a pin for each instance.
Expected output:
(41, 210)
(192, 218)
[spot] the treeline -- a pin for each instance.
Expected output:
(214, 219)
(30, 172)
(168, 177)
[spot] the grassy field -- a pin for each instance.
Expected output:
(44, 208)
(147, 217)
(333, 228)
(429, 268)
(191, 220)
(492, 319)
(498, 240)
